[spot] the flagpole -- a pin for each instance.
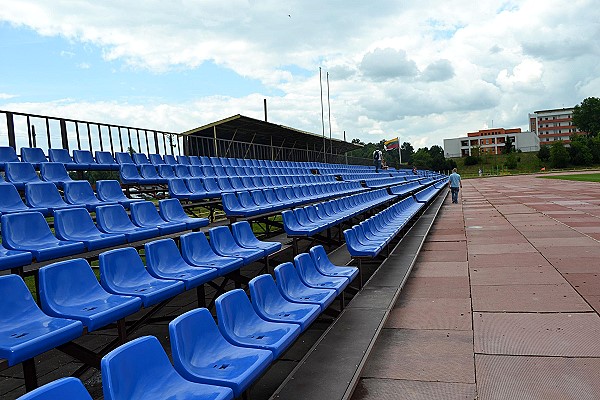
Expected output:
(399, 152)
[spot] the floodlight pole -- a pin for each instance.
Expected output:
(322, 114)
(329, 111)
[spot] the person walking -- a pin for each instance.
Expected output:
(377, 159)
(455, 185)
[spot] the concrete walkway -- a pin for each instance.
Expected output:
(503, 300)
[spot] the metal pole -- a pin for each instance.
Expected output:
(329, 112)
(322, 114)
(345, 153)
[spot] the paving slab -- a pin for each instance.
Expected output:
(431, 314)
(556, 334)
(422, 355)
(394, 389)
(437, 287)
(528, 298)
(537, 275)
(440, 269)
(514, 260)
(537, 378)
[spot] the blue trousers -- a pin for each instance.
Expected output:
(454, 191)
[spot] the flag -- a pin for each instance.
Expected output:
(391, 144)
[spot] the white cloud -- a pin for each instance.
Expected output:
(426, 70)
(6, 96)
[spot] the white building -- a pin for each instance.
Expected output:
(553, 125)
(491, 141)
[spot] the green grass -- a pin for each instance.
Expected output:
(494, 165)
(576, 177)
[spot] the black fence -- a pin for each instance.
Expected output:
(45, 132)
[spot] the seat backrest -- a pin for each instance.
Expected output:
(8, 154)
(79, 192)
(40, 194)
(162, 255)
(120, 266)
(171, 209)
(20, 172)
(182, 171)
(83, 157)
(54, 171)
(195, 246)
(67, 283)
(264, 294)
(33, 155)
(166, 171)
(16, 301)
(60, 156)
(211, 185)
(235, 313)
(105, 157)
(64, 388)
(10, 198)
(109, 190)
(25, 228)
(156, 159)
(148, 171)
(129, 371)
(195, 160)
(73, 221)
(144, 213)
(124, 158)
(221, 239)
(170, 159)
(183, 160)
(140, 158)
(129, 171)
(112, 216)
(242, 233)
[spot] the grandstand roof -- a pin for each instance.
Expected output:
(245, 129)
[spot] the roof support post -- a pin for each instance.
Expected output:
(215, 141)
(63, 134)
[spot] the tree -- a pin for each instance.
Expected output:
(511, 161)
(559, 156)
(356, 141)
(586, 116)
(580, 150)
(544, 153)
(422, 158)
(407, 151)
(508, 146)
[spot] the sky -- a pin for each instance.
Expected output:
(418, 70)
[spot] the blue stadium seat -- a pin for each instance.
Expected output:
(326, 267)
(270, 305)
(114, 219)
(196, 186)
(45, 195)
(20, 173)
(170, 159)
(195, 160)
(76, 224)
(80, 193)
(293, 289)
(223, 243)
(196, 171)
(183, 160)
(179, 190)
(54, 172)
(7, 154)
(293, 228)
(69, 289)
(140, 369)
(240, 325)
(110, 191)
(150, 175)
(145, 215)
(140, 158)
(123, 158)
(25, 331)
(166, 171)
(62, 156)
(130, 175)
(85, 159)
(11, 202)
(156, 159)
(13, 258)
(182, 171)
(106, 160)
(201, 354)
(33, 155)
(172, 211)
(30, 232)
(123, 272)
(209, 171)
(164, 260)
(196, 251)
(211, 185)
(64, 388)
(244, 236)
(233, 208)
(359, 249)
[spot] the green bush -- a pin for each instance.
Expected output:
(559, 155)
(471, 160)
(544, 153)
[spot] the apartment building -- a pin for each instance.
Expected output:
(553, 125)
(490, 141)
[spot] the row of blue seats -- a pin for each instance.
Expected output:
(205, 188)
(377, 183)
(27, 235)
(431, 191)
(313, 219)
(249, 336)
(406, 188)
(246, 203)
(370, 237)
(104, 160)
(148, 174)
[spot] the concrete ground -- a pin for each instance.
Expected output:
(503, 300)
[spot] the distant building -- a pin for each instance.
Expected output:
(490, 141)
(553, 125)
